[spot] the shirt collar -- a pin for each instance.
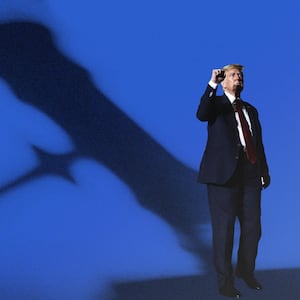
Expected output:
(230, 97)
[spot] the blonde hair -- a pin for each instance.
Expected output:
(233, 66)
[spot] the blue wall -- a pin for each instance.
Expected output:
(100, 143)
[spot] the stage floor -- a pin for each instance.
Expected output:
(277, 285)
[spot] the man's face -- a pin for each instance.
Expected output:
(234, 81)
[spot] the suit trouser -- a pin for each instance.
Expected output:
(241, 199)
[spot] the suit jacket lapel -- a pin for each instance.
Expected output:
(229, 113)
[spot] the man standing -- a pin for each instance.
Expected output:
(235, 169)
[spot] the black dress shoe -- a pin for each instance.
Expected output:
(253, 283)
(230, 291)
(250, 281)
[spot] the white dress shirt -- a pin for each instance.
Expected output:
(231, 99)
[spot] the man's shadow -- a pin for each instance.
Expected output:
(40, 75)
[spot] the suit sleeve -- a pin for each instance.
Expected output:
(206, 109)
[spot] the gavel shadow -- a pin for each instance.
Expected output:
(40, 75)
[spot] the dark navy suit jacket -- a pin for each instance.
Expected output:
(223, 146)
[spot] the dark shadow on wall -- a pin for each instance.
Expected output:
(40, 75)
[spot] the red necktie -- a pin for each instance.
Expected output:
(250, 148)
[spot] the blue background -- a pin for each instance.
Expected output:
(72, 232)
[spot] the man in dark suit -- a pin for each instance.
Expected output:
(235, 169)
